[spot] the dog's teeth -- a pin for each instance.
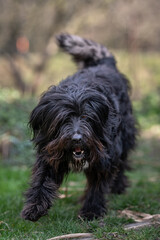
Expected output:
(78, 152)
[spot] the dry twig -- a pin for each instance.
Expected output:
(87, 236)
(141, 219)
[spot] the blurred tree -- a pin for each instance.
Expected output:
(129, 24)
(121, 22)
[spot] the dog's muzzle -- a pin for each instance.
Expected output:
(78, 151)
(78, 162)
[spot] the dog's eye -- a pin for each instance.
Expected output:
(86, 118)
(83, 117)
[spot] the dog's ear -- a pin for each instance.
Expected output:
(38, 115)
(114, 119)
(36, 119)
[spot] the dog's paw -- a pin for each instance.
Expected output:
(91, 214)
(33, 212)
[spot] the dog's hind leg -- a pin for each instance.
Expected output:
(120, 182)
(44, 185)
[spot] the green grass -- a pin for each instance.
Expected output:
(143, 196)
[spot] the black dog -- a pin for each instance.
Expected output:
(83, 124)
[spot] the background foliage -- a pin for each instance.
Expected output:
(30, 62)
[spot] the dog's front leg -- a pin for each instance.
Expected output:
(94, 200)
(43, 190)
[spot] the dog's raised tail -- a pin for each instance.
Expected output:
(84, 52)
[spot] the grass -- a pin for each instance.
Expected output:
(143, 196)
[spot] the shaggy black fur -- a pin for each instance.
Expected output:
(83, 124)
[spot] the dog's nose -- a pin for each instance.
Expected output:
(77, 137)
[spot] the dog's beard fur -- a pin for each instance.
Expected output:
(83, 124)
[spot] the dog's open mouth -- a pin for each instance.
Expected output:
(78, 162)
(78, 153)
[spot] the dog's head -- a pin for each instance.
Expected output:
(72, 126)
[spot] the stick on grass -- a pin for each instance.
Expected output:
(74, 235)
